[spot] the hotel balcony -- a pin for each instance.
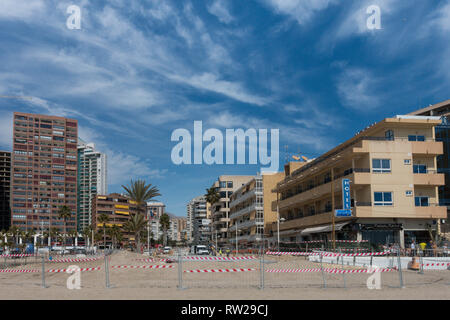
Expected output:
(246, 196)
(430, 178)
(245, 210)
(246, 224)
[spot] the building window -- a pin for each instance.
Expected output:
(389, 135)
(381, 165)
(416, 138)
(419, 168)
(409, 193)
(222, 184)
(407, 161)
(383, 198)
(421, 201)
(230, 184)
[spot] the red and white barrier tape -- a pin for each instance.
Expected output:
(73, 269)
(444, 264)
(144, 267)
(220, 258)
(293, 270)
(221, 270)
(18, 255)
(17, 271)
(76, 260)
(328, 254)
(330, 270)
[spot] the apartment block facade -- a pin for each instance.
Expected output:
(199, 218)
(44, 171)
(5, 185)
(117, 207)
(251, 210)
(220, 211)
(392, 168)
(442, 130)
(154, 212)
(92, 175)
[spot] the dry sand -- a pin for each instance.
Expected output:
(162, 283)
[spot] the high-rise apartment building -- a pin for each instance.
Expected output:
(391, 169)
(225, 186)
(251, 210)
(44, 171)
(5, 184)
(92, 173)
(442, 110)
(154, 212)
(199, 219)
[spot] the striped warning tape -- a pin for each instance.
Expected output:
(221, 270)
(293, 270)
(73, 269)
(328, 254)
(76, 260)
(220, 258)
(17, 271)
(18, 255)
(144, 267)
(330, 270)
(444, 264)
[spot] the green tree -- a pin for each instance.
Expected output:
(87, 231)
(103, 219)
(140, 192)
(136, 225)
(65, 214)
(164, 222)
(14, 231)
(212, 196)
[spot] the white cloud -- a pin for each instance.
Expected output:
(300, 10)
(123, 167)
(356, 88)
(219, 8)
(21, 9)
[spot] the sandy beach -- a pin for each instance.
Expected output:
(161, 283)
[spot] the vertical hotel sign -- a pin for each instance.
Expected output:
(346, 199)
(346, 210)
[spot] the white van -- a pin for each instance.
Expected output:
(199, 250)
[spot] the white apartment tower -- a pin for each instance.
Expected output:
(92, 173)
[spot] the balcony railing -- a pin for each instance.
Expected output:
(246, 196)
(245, 210)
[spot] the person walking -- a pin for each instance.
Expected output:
(413, 248)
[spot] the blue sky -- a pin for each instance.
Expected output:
(137, 70)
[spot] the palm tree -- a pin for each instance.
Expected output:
(103, 219)
(212, 196)
(140, 193)
(164, 222)
(86, 234)
(14, 231)
(64, 213)
(136, 225)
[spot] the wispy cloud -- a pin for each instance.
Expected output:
(220, 8)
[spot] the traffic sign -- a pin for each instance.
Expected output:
(343, 212)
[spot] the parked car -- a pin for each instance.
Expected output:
(167, 250)
(200, 250)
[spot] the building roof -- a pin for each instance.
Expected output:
(443, 106)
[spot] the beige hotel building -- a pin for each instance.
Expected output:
(394, 184)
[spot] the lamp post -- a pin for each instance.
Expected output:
(237, 249)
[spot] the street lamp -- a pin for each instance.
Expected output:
(278, 230)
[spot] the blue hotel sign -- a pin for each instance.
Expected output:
(346, 210)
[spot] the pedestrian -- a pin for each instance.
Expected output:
(423, 246)
(228, 252)
(413, 248)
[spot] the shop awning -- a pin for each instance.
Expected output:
(326, 228)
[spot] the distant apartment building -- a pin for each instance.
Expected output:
(442, 132)
(392, 169)
(177, 224)
(92, 173)
(116, 207)
(251, 210)
(154, 212)
(220, 211)
(199, 219)
(5, 184)
(44, 171)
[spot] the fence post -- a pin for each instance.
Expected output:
(420, 262)
(43, 272)
(261, 268)
(343, 271)
(180, 270)
(399, 265)
(321, 269)
(106, 271)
